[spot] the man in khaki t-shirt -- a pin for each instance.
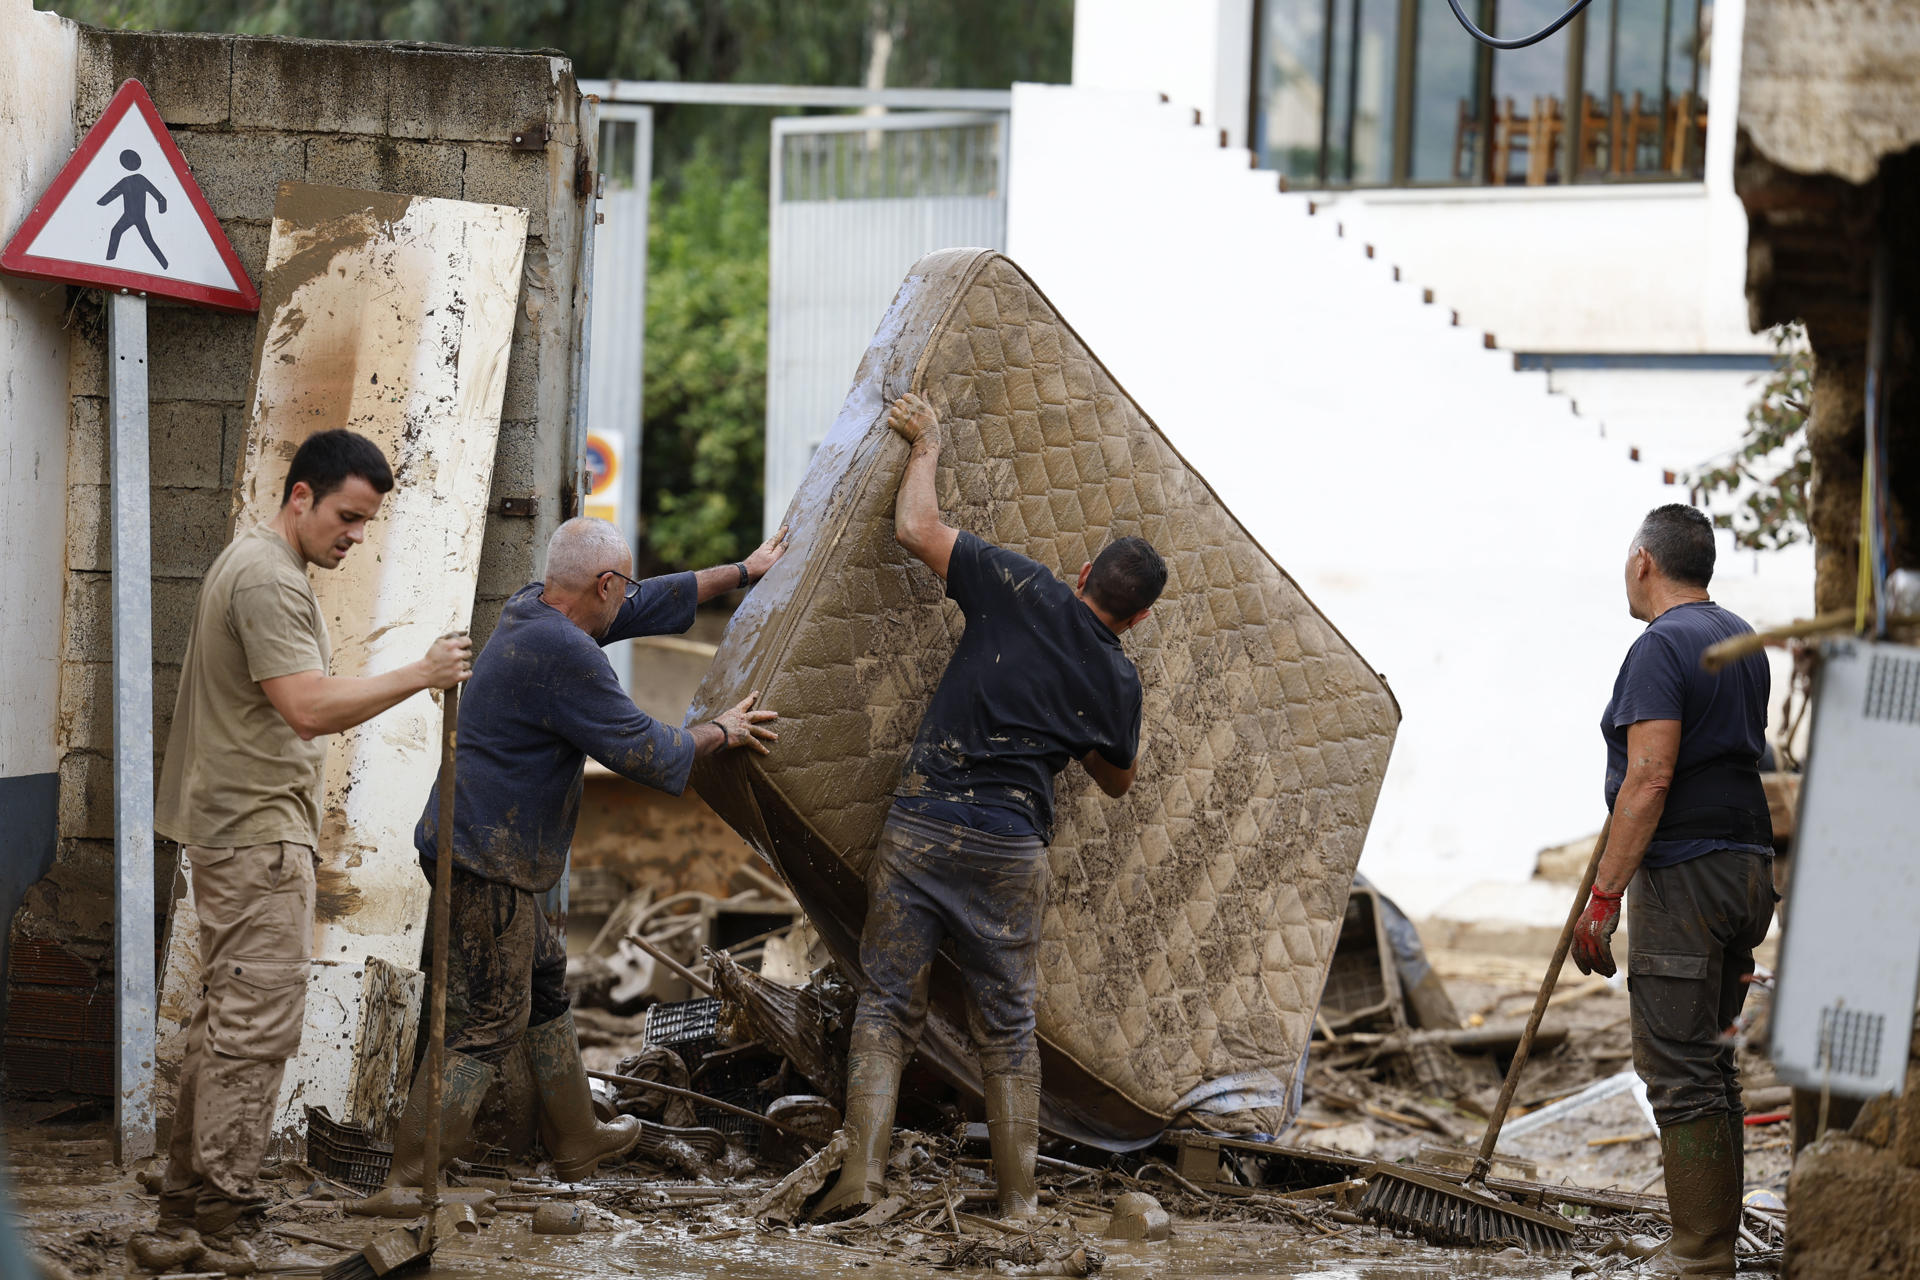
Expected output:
(240, 789)
(246, 776)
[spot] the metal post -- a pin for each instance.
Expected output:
(132, 729)
(1570, 139)
(1406, 37)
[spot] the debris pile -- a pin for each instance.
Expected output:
(733, 1058)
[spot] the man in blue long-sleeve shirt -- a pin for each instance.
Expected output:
(543, 698)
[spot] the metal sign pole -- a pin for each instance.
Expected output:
(133, 1126)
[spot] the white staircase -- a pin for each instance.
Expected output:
(1458, 521)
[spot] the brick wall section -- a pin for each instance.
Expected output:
(250, 113)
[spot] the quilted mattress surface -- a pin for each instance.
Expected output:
(1189, 925)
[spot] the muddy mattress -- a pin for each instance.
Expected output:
(1189, 924)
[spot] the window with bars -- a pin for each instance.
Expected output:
(1396, 93)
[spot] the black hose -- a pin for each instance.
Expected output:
(1523, 41)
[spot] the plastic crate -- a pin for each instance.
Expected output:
(682, 1022)
(347, 1153)
(691, 1028)
(734, 1079)
(1362, 986)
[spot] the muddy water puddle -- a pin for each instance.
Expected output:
(1198, 1251)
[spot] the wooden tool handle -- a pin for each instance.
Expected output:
(1484, 1162)
(691, 1096)
(436, 1063)
(1719, 655)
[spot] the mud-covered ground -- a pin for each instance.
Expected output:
(78, 1210)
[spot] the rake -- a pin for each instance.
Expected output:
(1449, 1210)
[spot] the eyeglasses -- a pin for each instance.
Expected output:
(633, 588)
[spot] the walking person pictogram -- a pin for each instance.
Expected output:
(134, 190)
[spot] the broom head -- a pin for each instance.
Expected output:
(1444, 1211)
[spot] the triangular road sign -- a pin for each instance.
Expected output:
(125, 213)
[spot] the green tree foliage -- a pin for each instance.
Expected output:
(705, 401)
(1760, 490)
(706, 384)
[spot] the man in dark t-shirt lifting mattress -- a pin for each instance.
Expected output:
(1038, 679)
(1692, 834)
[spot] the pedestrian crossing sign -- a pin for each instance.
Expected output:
(126, 214)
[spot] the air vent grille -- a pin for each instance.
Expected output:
(1850, 1041)
(1893, 689)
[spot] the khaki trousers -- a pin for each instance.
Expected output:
(256, 942)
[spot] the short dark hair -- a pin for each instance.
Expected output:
(326, 458)
(1128, 576)
(1680, 540)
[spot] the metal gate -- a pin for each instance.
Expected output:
(855, 201)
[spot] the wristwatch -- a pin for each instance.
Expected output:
(742, 567)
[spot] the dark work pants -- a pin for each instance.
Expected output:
(933, 882)
(1691, 929)
(506, 969)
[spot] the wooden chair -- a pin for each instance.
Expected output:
(1545, 134)
(1640, 127)
(1512, 134)
(1596, 135)
(1686, 121)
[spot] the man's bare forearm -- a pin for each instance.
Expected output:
(916, 508)
(316, 705)
(715, 582)
(1636, 816)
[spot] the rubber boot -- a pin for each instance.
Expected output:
(168, 1247)
(1013, 1138)
(573, 1137)
(873, 1092)
(1703, 1198)
(1737, 1135)
(467, 1081)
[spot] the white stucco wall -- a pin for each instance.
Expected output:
(1197, 52)
(1643, 268)
(1456, 519)
(36, 133)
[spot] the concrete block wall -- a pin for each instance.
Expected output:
(249, 114)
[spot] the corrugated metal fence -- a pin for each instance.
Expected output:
(856, 200)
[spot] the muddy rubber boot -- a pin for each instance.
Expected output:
(1737, 1135)
(467, 1082)
(1013, 1138)
(168, 1247)
(1703, 1198)
(873, 1091)
(228, 1252)
(573, 1137)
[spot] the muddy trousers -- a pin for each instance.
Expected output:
(1692, 928)
(933, 882)
(255, 907)
(506, 969)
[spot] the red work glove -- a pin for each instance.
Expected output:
(1593, 935)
